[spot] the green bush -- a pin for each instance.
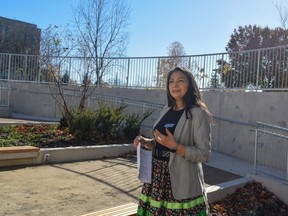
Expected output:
(83, 124)
(133, 122)
(108, 121)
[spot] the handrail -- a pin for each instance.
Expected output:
(272, 126)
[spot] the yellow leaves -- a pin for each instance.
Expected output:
(226, 68)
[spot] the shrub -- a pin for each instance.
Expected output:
(83, 124)
(108, 121)
(133, 122)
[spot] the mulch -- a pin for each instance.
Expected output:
(252, 199)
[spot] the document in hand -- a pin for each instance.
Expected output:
(144, 164)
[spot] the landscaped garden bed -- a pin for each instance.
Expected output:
(108, 125)
(45, 136)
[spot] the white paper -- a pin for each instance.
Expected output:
(144, 164)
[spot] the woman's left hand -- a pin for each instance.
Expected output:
(167, 141)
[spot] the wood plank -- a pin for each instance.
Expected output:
(18, 149)
(129, 209)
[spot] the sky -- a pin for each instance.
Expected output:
(201, 26)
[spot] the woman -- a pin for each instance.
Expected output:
(181, 143)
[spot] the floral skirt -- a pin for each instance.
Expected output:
(157, 198)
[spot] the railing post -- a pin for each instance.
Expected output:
(158, 68)
(128, 70)
(39, 68)
(8, 96)
(9, 68)
(255, 149)
(25, 75)
(70, 65)
(258, 68)
(88, 101)
(286, 170)
(203, 84)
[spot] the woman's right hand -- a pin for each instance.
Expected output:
(136, 142)
(143, 140)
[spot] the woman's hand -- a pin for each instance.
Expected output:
(143, 140)
(167, 141)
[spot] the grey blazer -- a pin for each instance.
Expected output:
(186, 173)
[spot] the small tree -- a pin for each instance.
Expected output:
(100, 34)
(56, 44)
(175, 53)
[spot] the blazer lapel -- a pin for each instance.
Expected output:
(162, 113)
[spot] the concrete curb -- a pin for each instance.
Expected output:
(82, 153)
(64, 155)
(216, 192)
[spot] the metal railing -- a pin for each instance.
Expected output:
(271, 150)
(253, 70)
(4, 95)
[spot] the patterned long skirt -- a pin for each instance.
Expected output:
(157, 198)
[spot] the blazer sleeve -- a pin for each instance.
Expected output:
(200, 149)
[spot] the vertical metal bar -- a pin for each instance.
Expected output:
(255, 149)
(286, 169)
(70, 65)
(88, 101)
(25, 75)
(189, 63)
(258, 67)
(128, 70)
(39, 68)
(9, 67)
(157, 75)
(204, 68)
(8, 96)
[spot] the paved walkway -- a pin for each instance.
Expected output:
(82, 187)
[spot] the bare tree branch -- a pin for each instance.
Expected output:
(283, 14)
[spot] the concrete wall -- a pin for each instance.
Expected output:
(248, 107)
(233, 139)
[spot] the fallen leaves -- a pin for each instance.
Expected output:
(252, 199)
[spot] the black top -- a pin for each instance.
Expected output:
(169, 121)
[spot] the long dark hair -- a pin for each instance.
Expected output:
(192, 98)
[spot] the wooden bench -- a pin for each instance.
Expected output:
(18, 155)
(129, 209)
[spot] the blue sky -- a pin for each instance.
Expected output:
(202, 26)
